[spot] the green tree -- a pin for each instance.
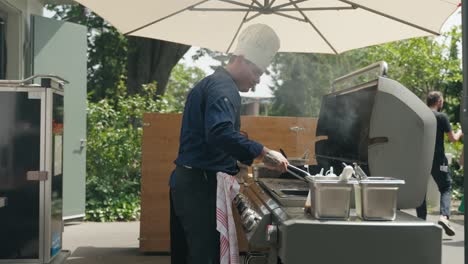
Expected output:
(113, 160)
(426, 64)
(181, 81)
(300, 80)
(112, 57)
(114, 144)
(151, 60)
(107, 49)
(420, 64)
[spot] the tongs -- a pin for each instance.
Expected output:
(360, 174)
(293, 170)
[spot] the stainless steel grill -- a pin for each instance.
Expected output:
(371, 124)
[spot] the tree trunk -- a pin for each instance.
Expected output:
(151, 60)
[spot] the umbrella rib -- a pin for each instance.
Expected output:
(315, 28)
(166, 17)
(236, 3)
(252, 17)
(223, 9)
(257, 9)
(288, 4)
(238, 29)
(257, 3)
(318, 9)
(291, 17)
(390, 17)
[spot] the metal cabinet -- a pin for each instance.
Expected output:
(31, 171)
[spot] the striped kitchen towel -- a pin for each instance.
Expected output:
(227, 189)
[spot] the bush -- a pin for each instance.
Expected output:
(113, 161)
(114, 154)
(455, 149)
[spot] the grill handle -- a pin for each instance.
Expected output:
(3, 202)
(381, 65)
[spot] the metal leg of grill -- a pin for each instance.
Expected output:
(273, 256)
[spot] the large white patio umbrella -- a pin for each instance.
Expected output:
(319, 26)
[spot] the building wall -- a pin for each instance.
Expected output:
(17, 14)
(42, 46)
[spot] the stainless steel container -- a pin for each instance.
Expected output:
(330, 197)
(376, 198)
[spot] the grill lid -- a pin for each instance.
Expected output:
(345, 119)
(383, 127)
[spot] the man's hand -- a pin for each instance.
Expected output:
(274, 160)
(453, 137)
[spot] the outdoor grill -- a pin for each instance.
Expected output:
(388, 131)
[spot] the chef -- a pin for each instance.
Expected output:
(210, 142)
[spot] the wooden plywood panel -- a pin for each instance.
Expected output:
(272, 132)
(159, 150)
(292, 134)
(305, 137)
(160, 145)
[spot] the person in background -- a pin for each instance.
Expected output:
(440, 169)
(211, 142)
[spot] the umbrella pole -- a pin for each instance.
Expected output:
(464, 117)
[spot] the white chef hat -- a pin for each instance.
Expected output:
(258, 43)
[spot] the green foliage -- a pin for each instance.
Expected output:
(426, 64)
(181, 81)
(300, 80)
(114, 155)
(420, 64)
(456, 149)
(114, 145)
(107, 49)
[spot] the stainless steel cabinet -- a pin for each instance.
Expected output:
(31, 155)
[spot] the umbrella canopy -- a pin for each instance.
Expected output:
(319, 26)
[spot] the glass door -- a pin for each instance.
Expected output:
(57, 174)
(20, 138)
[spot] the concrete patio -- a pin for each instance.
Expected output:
(117, 243)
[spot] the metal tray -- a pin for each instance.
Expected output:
(376, 198)
(330, 197)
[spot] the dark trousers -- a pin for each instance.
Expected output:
(194, 238)
(444, 183)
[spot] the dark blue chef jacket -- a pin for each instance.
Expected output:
(210, 138)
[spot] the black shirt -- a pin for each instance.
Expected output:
(443, 126)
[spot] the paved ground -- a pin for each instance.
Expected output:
(102, 243)
(117, 243)
(453, 248)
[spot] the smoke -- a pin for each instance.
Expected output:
(345, 119)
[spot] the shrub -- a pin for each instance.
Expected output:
(113, 161)
(456, 170)
(114, 154)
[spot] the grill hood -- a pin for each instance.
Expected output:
(385, 128)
